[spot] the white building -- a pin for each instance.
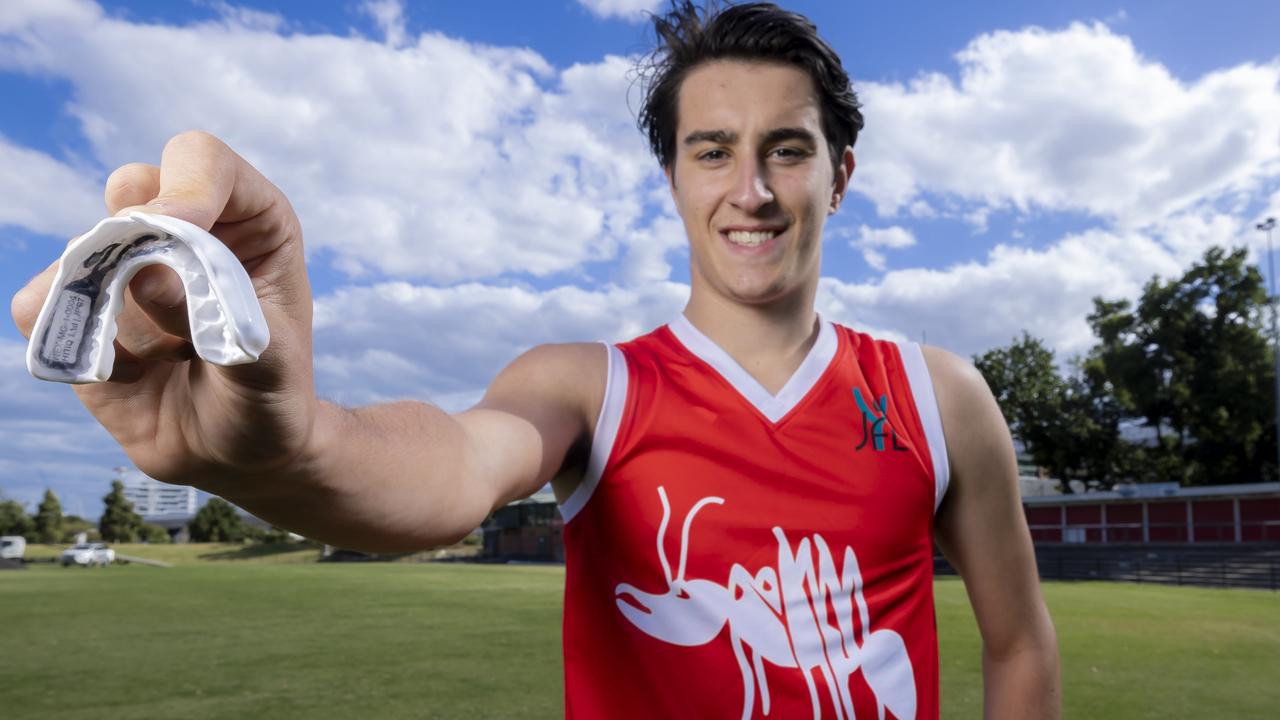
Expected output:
(154, 500)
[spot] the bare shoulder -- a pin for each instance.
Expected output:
(971, 420)
(569, 377)
(952, 375)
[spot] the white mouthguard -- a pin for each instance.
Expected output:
(73, 338)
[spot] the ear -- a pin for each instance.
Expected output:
(670, 172)
(840, 184)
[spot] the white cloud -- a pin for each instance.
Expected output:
(442, 160)
(889, 237)
(973, 306)
(873, 241)
(977, 219)
(46, 195)
(632, 10)
(1074, 120)
(248, 17)
(389, 17)
(1188, 235)
(921, 209)
(395, 340)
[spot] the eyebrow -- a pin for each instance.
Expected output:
(791, 133)
(717, 137)
(725, 137)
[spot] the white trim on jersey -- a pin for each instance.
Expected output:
(606, 432)
(774, 407)
(927, 408)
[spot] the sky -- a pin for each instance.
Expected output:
(471, 183)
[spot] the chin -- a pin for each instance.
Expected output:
(760, 294)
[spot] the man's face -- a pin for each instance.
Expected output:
(752, 179)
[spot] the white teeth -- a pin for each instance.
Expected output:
(749, 239)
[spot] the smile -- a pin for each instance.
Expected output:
(750, 238)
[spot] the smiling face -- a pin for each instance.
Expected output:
(753, 180)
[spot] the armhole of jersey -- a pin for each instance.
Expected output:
(606, 432)
(927, 408)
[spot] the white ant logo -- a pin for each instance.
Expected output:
(692, 612)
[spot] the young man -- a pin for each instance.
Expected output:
(751, 493)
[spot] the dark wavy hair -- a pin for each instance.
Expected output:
(758, 31)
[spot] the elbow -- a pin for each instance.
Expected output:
(1022, 678)
(1028, 646)
(1035, 639)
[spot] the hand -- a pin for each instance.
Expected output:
(178, 418)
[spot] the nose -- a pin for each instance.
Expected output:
(751, 190)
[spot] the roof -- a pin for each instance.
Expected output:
(1167, 491)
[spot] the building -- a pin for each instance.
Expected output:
(528, 530)
(169, 506)
(152, 498)
(1158, 513)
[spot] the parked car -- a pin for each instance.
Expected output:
(12, 547)
(86, 554)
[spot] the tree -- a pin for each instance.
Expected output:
(14, 520)
(48, 520)
(1026, 385)
(1085, 434)
(217, 521)
(1069, 426)
(1191, 359)
(119, 523)
(153, 534)
(73, 525)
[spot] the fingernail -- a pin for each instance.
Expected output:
(148, 288)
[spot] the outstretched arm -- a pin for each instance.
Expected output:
(408, 475)
(393, 477)
(982, 531)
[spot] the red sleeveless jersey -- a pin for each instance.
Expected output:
(736, 554)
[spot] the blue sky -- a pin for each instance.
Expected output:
(475, 165)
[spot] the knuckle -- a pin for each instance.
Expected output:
(26, 303)
(24, 307)
(195, 138)
(129, 181)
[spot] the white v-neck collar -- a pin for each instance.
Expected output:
(773, 407)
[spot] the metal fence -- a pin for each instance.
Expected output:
(1205, 566)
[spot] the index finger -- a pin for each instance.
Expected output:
(25, 306)
(205, 182)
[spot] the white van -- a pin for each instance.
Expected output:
(12, 547)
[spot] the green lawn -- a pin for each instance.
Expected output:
(192, 553)
(392, 640)
(1136, 651)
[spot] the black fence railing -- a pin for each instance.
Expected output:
(1236, 566)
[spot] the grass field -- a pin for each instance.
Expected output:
(255, 639)
(195, 553)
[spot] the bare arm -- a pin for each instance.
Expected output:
(408, 475)
(399, 476)
(982, 531)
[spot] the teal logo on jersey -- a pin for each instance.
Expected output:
(876, 427)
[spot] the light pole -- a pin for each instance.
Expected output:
(1267, 226)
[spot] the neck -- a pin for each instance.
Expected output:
(769, 341)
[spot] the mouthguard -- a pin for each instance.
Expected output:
(72, 341)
